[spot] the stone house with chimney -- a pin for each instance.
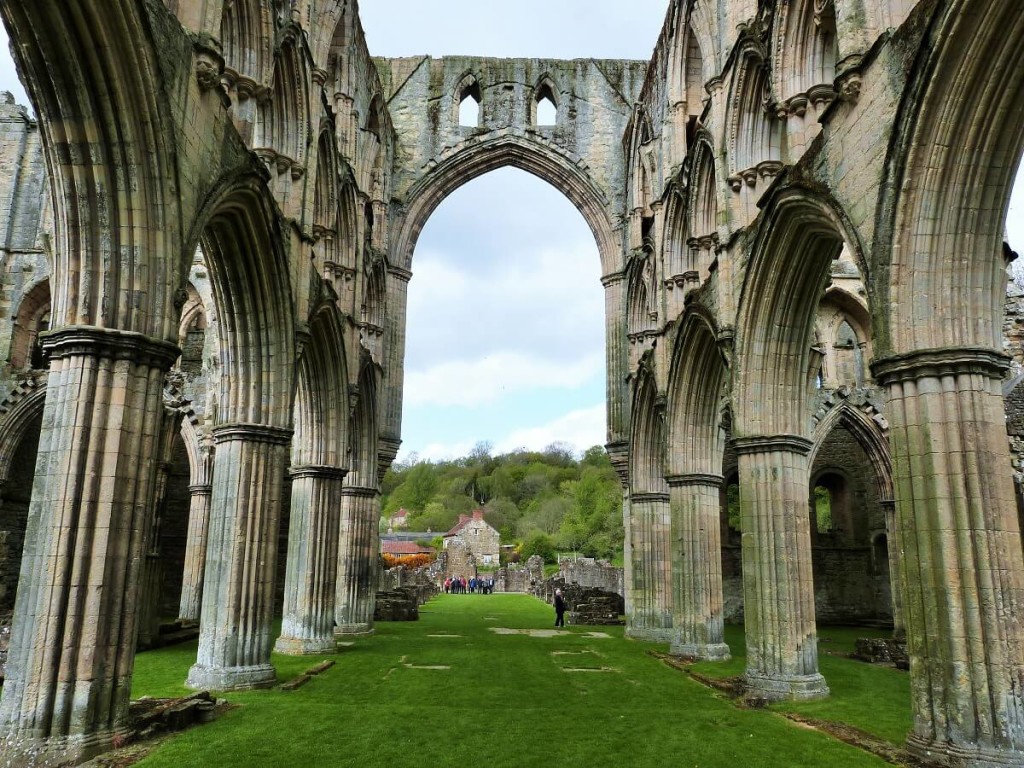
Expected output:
(482, 540)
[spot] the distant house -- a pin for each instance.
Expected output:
(399, 520)
(398, 548)
(483, 541)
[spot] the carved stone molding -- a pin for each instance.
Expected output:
(770, 443)
(87, 340)
(639, 498)
(941, 361)
(263, 433)
(694, 478)
(318, 470)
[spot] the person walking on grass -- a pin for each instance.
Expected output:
(559, 609)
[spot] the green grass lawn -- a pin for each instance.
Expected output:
(505, 698)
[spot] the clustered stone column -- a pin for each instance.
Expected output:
(153, 571)
(76, 616)
(616, 355)
(195, 552)
(241, 559)
(310, 583)
(895, 568)
(695, 505)
(200, 490)
(357, 560)
(650, 588)
(957, 525)
(778, 583)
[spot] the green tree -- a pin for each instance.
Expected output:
(538, 543)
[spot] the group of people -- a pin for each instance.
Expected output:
(459, 585)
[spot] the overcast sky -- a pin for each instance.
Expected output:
(506, 329)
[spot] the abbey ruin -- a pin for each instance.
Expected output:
(209, 227)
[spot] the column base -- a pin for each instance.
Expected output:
(796, 687)
(57, 750)
(701, 651)
(295, 646)
(203, 678)
(348, 630)
(650, 634)
(963, 755)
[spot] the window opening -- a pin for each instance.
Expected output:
(469, 106)
(547, 110)
(823, 509)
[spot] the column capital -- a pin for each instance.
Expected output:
(89, 340)
(771, 443)
(200, 489)
(360, 492)
(648, 496)
(614, 278)
(263, 433)
(694, 478)
(401, 274)
(940, 361)
(318, 470)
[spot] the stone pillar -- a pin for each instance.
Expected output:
(649, 591)
(896, 586)
(310, 583)
(241, 559)
(153, 572)
(695, 507)
(962, 563)
(778, 583)
(394, 351)
(76, 616)
(357, 560)
(616, 355)
(195, 552)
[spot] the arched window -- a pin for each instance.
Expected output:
(849, 358)
(33, 318)
(823, 522)
(546, 107)
(469, 105)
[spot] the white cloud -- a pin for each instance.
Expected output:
(473, 383)
(581, 429)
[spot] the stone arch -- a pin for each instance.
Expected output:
(330, 32)
(542, 159)
(647, 439)
(326, 204)
(641, 177)
(755, 135)
(642, 315)
(246, 37)
(695, 390)
(91, 72)
(242, 242)
(868, 433)
(790, 261)
(16, 421)
(321, 401)
(363, 430)
(804, 54)
(702, 213)
(674, 248)
(32, 318)
(284, 119)
(951, 167)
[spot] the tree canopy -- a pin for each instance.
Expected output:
(531, 497)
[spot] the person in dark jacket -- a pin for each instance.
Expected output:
(559, 609)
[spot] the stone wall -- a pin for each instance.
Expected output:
(520, 577)
(588, 572)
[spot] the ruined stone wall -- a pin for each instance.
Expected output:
(520, 577)
(589, 572)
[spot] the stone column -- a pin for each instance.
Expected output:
(153, 572)
(311, 578)
(778, 583)
(394, 351)
(241, 559)
(616, 356)
(896, 586)
(357, 560)
(695, 507)
(72, 647)
(649, 591)
(962, 563)
(195, 552)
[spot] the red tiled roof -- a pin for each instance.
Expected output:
(388, 547)
(401, 513)
(478, 514)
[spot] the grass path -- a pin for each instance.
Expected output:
(449, 691)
